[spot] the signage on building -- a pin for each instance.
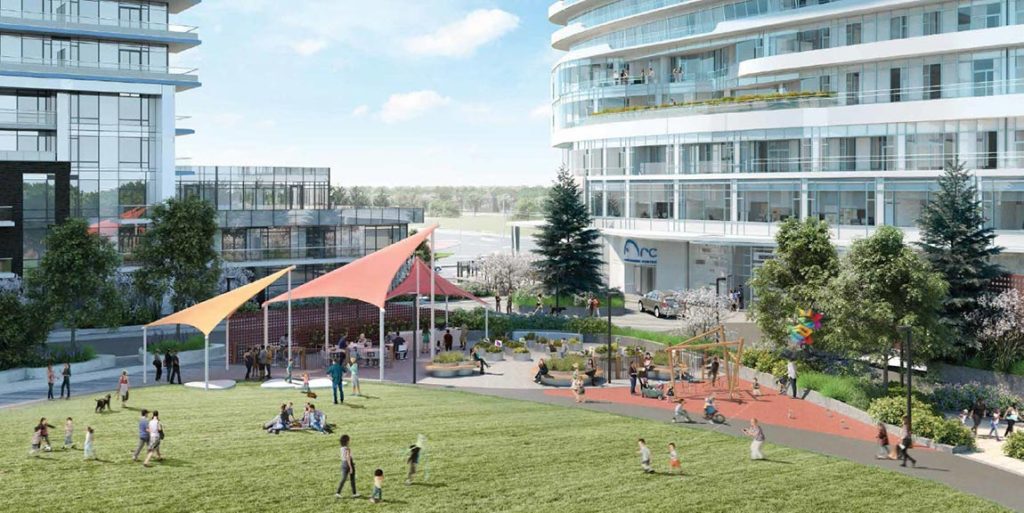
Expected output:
(634, 253)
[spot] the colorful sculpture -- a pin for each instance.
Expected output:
(802, 333)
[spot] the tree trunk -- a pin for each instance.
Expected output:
(885, 372)
(177, 332)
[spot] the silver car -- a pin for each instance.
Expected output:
(660, 303)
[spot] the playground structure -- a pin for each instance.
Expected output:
(732, 352)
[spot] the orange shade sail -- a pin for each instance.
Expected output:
(367, 279)
(442, 287)
(207, 315)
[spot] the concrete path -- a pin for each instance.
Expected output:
(959, 473)
(990, 452)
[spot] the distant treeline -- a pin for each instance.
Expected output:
(439, 201)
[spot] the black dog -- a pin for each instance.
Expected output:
(103, 402)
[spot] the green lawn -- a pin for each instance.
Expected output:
(485, 454)
(484, 223)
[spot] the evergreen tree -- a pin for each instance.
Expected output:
(75, 277)
(805, 261)
(567, 246)
(382, 198)
(176, 254)
(958, 245)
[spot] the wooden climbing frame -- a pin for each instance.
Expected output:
(731, 357)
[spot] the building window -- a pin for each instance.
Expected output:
(904, 202)
(932, 23)
(843, 203)
(895, 84)
(983, 75)
(987, 149)
(932, 80)
(853, 36)
(852, 88)
(898, 27)
(1004, 204)
(768, 202)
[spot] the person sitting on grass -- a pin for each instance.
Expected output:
(542, 370)
(279, 423)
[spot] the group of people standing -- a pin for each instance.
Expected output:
(508, 303)
(41, 438)
(51, 379)
(258, 359)
(980, 409)
(171, 362)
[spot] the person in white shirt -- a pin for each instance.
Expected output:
(155, 430)
(791, 373)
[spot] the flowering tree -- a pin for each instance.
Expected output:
(505, 272)
(703, 309)
(1001, 328)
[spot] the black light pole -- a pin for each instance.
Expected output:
(907, 346)
(608, 379)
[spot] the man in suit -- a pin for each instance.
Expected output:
(167, 364)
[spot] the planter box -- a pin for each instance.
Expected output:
(101, 362)
(522, 357)
(450, 370)
(492, 357)
(563, 379)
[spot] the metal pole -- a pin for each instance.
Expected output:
(910, 371)
(289, 316)
(266, 329)
(608, 379)
(380, 354)
(145, 355)
(487, 329)
(416, 327)
(432, 279)
(206, 362)
(227, 345)
(446, 310)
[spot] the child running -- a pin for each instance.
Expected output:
(645, 457)
(305, 382)
(90, 450)
(680, 412)
(69, 429)
(353, 370)
(412, 460)
(42, 436)
(673, 459)
(378, 486)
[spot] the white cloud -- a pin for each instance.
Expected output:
(307, 47)
(463, 37)
(542, 111)
(360, 111)
(406, 106)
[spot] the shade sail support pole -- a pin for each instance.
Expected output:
(206, 362)
(145, 354)
(416, 327)
(381, 354)
(289, 317)
(266, 327)
(433, 346)
(327, 328)
(227, 345)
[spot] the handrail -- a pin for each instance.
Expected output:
(114, 66)
(90, 20)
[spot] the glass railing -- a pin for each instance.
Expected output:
(107, 66)
(41, 156)
(317, 252)
(333, 217)
(801, 100)
(27, 117)
(90, 20)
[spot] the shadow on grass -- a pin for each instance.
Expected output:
(173, 463)
(777, 462)
(364, 396)
(429, 485)
(353, 406)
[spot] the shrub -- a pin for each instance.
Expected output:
(521, 350)
(56, 356)
(957, 397)
(1017, 368)
(573, 340)
(565, 364)
(603, 348)
(847, 389)
(762, 360)
(588, 325)
(1014, 445)
(892, 409)
(193, 343)
(926, 422)
(514, 344)
(449, 357)
(542, 340)
(660, 358)
(531, 336)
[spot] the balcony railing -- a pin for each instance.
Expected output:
(67, 19)
(114, 67)
(28, 117)
(321, 252)
(335, 217)
(34, 156)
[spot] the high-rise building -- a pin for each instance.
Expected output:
(696, 127)
(85, 85)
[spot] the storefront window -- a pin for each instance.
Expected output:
(707, 202)
(1004, 204)
(843, 203)
(768, 202)
(652, 200)
(904, 201)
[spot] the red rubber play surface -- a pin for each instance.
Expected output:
(771, 408)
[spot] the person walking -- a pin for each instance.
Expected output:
(175, 367)
(791, 374)
(448, 339)
(348, 468)
(158, 366)
(757, 435)
(508, 304)
(906, 443)
(497, 303)
(977, 413)
(1012, 416)
(632, 378)
(883, 442)
(247, 359)
(715, 365)
(66, 383)
(335, 372)
(463, 337)
(51, 379)
(168, 364)
(645, 456)
(143, 433)
(994, 425)
(156, 435)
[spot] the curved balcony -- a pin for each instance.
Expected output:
(562, 11)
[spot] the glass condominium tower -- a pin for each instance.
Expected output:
(697, 126)
(86, 83)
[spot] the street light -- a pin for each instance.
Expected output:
(907, 345)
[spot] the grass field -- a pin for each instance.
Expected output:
(484, 454)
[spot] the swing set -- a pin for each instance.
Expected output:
(732, 352)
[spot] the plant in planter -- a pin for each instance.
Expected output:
(531, 336)
(521, 354)
(602, 350)
(449, 358)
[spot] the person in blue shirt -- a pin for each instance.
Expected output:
(335, 371)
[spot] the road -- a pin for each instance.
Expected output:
(466, 246)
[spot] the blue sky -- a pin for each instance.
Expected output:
(385, 92)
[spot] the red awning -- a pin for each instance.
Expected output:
(442, 286)
(367, 279)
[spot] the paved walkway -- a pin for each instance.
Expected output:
(959, 473)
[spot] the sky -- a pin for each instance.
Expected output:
(384, 92)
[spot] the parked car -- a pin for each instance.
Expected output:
(661, 303)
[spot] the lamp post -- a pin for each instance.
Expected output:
(907, 350)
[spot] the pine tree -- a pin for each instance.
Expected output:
(567, 246)
(958, 245)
